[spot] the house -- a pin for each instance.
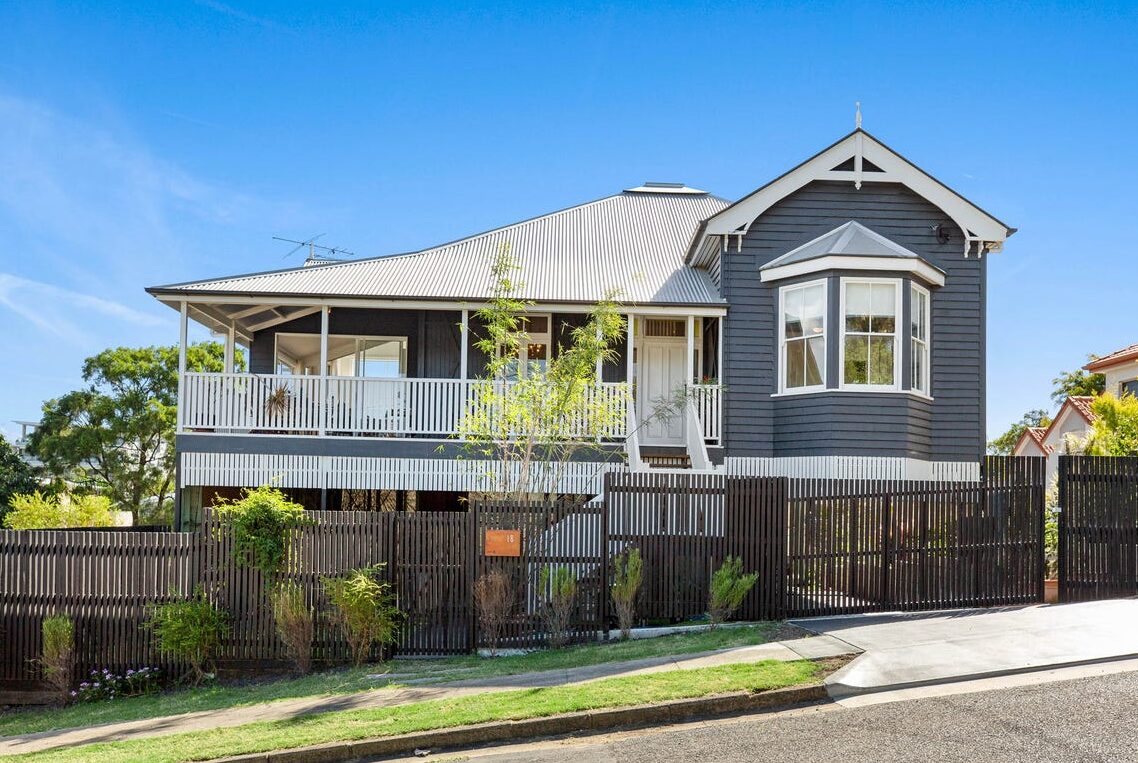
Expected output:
(1120, 369)
(1070, 427)
(21, 443)
(830, 323)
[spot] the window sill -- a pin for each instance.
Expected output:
(850, 390)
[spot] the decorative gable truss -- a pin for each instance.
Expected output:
(858, 158)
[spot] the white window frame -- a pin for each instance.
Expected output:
(365, 337)
(898, 350)
(926, 352)
(782, 369)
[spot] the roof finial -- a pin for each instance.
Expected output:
(857, 115)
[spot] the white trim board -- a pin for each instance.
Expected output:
(978, 225)
(854, 467)
(919, 268)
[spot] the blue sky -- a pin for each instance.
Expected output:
(145, 145)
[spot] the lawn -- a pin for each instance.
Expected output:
(436, 714)
(347, 681)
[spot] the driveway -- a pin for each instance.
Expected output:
(914, 649)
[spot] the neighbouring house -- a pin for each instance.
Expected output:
(1120, 369)
(831, 323)
(1065, 435)
(21, 443)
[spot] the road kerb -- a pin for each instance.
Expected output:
(555, 725)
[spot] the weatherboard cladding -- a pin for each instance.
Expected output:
(633, 243)
(949, 428)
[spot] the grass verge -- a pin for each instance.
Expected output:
(348, 681)
(437, 714)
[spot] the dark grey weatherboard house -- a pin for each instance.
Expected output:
(830, 323)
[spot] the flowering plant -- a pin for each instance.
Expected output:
(104, 684)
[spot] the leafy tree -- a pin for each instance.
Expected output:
(529, 423)
(1115, 431)
(116, 435)
(1006, 443)
(1077, 383)
(16, 476)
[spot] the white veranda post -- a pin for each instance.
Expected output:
(690, 368)
(183, 330)
(464, 345)
(324, 311)
(230, 348)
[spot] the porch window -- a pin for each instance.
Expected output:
(374, 357)
(802, 335)
(870, 350)
(919, 331)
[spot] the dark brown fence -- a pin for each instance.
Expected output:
(819, 546)
(550, 537)
(685, 525)
(104, 580)
(1098, 527)
(865, 546)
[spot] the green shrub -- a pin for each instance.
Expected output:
(365, 608)
(189, 629)
(263, 523)
(36, 511)
(293, 619)
(58, 653)
(729, 586)
(627, 575)
(560, 592)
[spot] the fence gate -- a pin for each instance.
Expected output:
(1098, 527)
(871, 545)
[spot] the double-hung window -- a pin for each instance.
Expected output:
(871, 311)
(802, 330)
(919, 331)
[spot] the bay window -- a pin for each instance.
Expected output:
(919, 320)
(870, 316)
(802, 334)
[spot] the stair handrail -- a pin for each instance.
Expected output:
(632, 441)
(693, 437)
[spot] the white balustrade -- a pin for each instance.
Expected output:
(285, 404)
(707, 399)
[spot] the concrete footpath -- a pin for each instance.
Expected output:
(795, 649)
(916, 649)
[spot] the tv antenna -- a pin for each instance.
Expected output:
(312, 247)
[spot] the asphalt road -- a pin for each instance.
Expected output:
(1089, 719)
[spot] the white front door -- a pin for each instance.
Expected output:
(660, 386)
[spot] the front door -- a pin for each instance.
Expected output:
(660, 391)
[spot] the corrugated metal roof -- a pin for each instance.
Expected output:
(633, 242)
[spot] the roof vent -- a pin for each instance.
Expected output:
(651, 187)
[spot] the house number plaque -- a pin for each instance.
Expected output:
(503, 543)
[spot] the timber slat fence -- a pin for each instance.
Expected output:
(1098, 527)
(820, 547)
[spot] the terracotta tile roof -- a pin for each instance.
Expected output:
(1113, 359)
(1038, 435)
(1082, 405)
